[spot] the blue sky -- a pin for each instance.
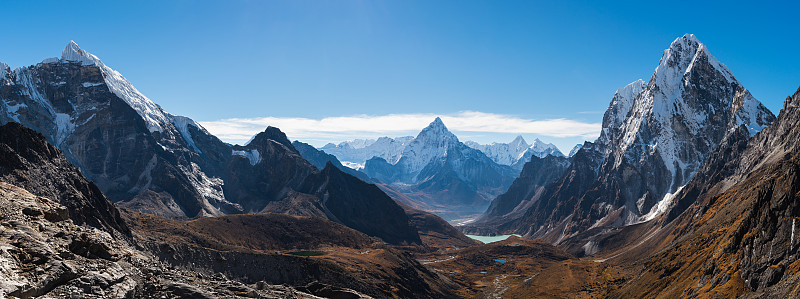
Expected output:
(299, 62)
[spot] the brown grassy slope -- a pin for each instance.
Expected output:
(729, 249)
(258, 232)
(435, 232)
(255, 247)
(479, 275)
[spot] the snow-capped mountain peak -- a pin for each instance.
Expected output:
(437, 129)
(433, 142)
(153, 115)
(686, 108)
(516, 152)
(72, 52)
(518, 142)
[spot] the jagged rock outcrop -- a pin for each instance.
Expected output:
(61, 237)
(28, 161)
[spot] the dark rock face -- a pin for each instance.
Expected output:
(523, 193)
(148, 160)
(27, 160)
(145, 164)
(655, 137)
(269, 175)
(360, 205)
(264, 170)
(433, 231)
(736, 221)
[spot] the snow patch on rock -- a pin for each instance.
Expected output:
(64, 127)
(252, 155)
(182, 123)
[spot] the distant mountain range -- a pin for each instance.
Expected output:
(441, 174)
(436, 172)
(517, 152)
(355, 153)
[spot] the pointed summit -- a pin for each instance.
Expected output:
(437, 130)
(682, 59)
(518, 141)
(437, 123)
(73, 52)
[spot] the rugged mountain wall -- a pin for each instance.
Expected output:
(655, 137)
(524, 192)
(28, 161)
(134, 151)
(148, 160)
(735, 224)
(62, 238)
(269, 175)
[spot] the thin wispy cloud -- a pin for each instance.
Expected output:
(334, 129)
(591, 112)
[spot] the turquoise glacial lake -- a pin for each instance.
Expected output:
(491, 239)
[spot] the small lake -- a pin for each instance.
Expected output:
(491, 239)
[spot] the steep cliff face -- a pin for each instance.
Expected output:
(135, 152)
(526, 190)
(269, 175)
(735, 224)
(361, 206)
(28, 161)
(655, 137)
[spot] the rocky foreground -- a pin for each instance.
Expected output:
(43, 253)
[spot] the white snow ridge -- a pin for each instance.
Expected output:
(153, 115)
(252, 155)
